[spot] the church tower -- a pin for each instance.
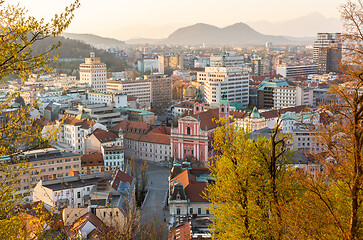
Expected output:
(224, 107)
(199, 103)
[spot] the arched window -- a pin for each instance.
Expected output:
(222, 109)
(197, 108)
(188, 130)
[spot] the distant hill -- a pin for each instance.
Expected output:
(138, 41)
(305, 26)
(76, 50)
(95, 41)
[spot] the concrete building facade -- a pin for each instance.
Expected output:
(94, 73)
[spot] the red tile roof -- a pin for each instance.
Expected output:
(132, 126)
(275, 113)
(207, 119)
(84, 123)
(104, 136)
(193, 188)
(160, 135)
(186, 104)
(82, 221)
(92, 159)
(182, 232)
(131, 98)
(119, 177)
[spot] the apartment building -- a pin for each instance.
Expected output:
(136, 88)
(47, 163)
(226, 59)
(119, 99)
(94, 73)
(291, 71)
(233, 81)
(92, 162)
(289, 96)
(161, 87)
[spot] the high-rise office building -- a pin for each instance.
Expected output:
(94, 73)
(327, 52)
(225, 75)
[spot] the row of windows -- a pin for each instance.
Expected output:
(191, 211)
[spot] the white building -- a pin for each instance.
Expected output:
(73, 131)
(69, 191)
(94, 73)
(137, 88)
(119, 99)
(233, 81)
(296, 70)
(290, 96)
(148, 64)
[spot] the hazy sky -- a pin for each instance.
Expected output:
(105, 17)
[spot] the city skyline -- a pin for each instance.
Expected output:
(157, 19)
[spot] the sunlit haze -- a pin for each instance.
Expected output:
(158, 18)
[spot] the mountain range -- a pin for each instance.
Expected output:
(239, 33)
(295, 31)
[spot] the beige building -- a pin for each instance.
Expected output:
(111, 216)
(92, 162)
(170, 62)
(94, 73)
(47, 163)
(254, 121)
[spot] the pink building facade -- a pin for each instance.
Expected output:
(192, 139)
(189, 141)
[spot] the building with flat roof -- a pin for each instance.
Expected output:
(119, 99)
(103, 113)
(233, 81)
(135, 88)
(291, 71)
(327, 52)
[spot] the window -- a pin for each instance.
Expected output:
(188, 130)
(78, 194)
(207, 211)
(191, 211)
(178, 211)
(199, 211)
